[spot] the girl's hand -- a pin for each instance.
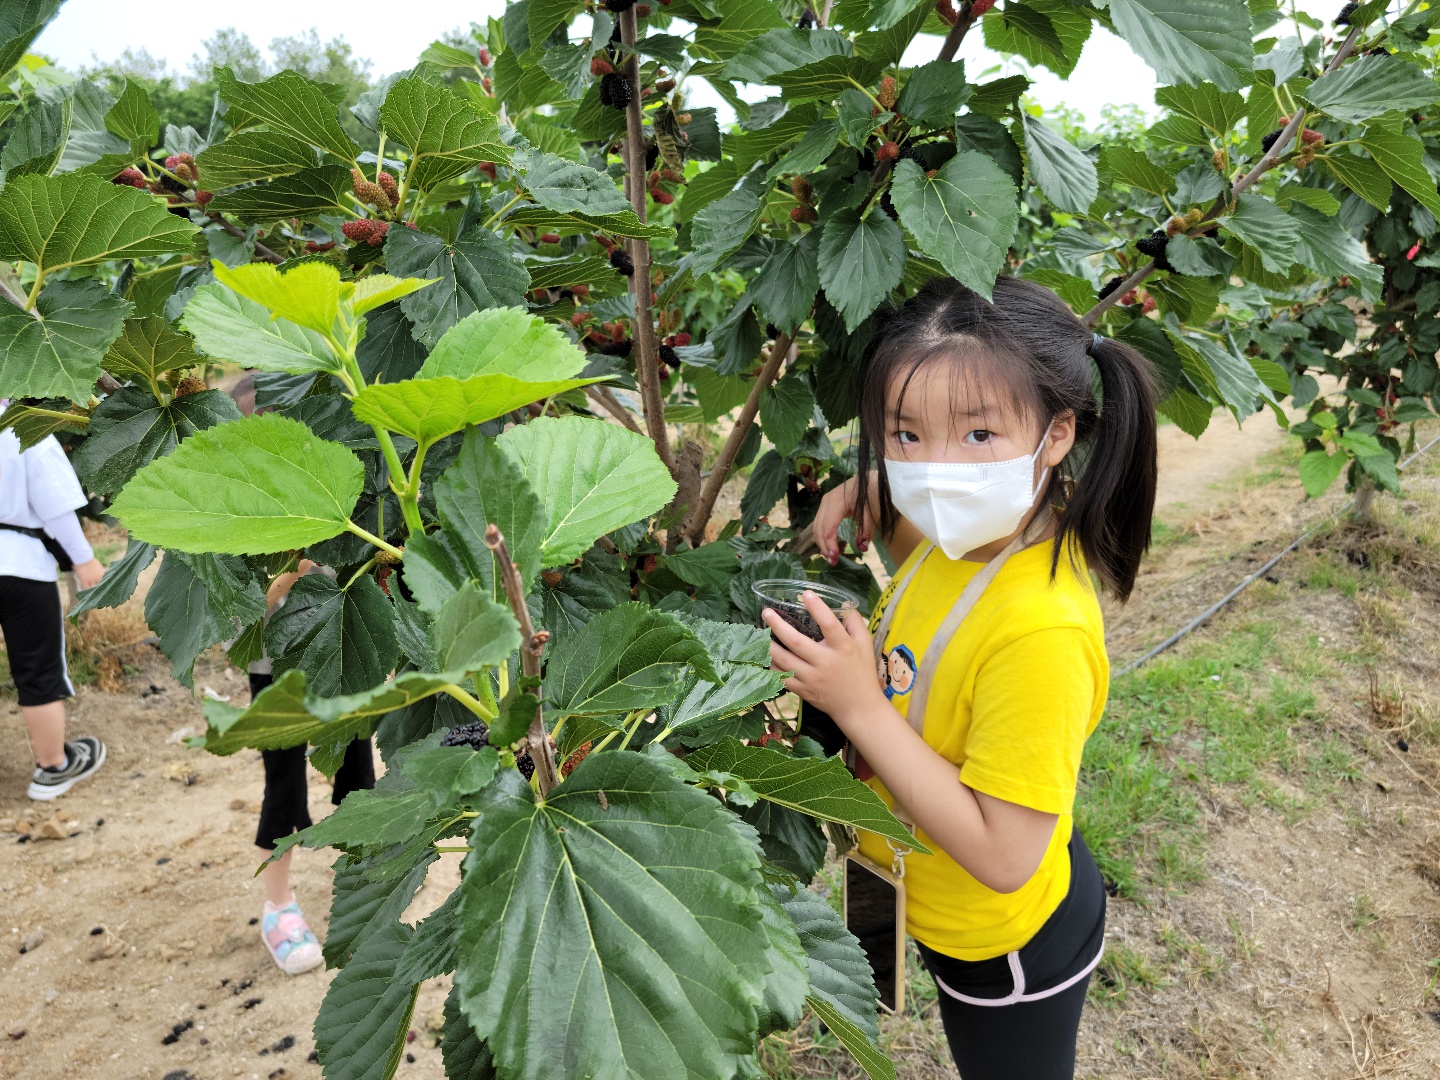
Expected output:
(837, 674)
(835, 506)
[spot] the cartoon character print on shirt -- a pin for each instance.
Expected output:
(898, 671)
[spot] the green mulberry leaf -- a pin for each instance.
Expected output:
(964, 216)
(860, 259)
(360, 1028)
(446, 135)
(342, 640)
(130, 429)
(58, 354)
(476, 272)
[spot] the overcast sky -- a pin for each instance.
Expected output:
(392, 36)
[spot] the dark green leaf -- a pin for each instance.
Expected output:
(464, 1055)
(476, 272)
(250, 157)
(1049, 32)
(631, 657)
(778, 51)
(786, 409)
(1066, 176)
(304, 194)
(147, 349)
(181, 611)
(1189, 41)
(1363, 176)
(118, 584)
(876, 1065)
(860, 261)
(446, 135)
(360, 906)
(720, 228)
(624, 889)
(741, 657)
(360, 1028)
(566, 187)
(130, 429)
(964, 216)
(934, 93)
(389, 351)
(20, 24)
(486, 487)
(1213, 109)
(58, 353)
(839, 971)
(1328, 248)
(820, 787)
(343, 640)
(1403, 159)
(291, 104)
(1263, 226)
(1371, 86)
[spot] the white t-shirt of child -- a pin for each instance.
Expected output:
(36, 486)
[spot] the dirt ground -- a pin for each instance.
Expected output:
(134, 951)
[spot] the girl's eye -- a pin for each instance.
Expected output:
(906, 438)
(980, 435)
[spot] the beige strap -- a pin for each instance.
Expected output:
(945, 633)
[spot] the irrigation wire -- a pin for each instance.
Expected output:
(1210, 612)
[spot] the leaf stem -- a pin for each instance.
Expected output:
(470, 702)
(630, 731)
(35, 292)
(363, 569)
(389, 549)
(445, 849)
(531, 645)
(494, 218)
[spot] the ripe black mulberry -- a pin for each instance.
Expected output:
(614, 91)
(1111, 285)
(668, 355)
(618, 6)
(1154, 246)
(1343, 19)
(474, 735)
(1269, 140)
(617, 348)
(621, 261)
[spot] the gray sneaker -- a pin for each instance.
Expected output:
(85, 756)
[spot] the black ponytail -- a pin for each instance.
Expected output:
(1027, 342)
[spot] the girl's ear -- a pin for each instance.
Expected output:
(1059, 440)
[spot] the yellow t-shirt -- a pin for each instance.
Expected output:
(1020, 688)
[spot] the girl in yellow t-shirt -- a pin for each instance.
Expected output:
(992, 454)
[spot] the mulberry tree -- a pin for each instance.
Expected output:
(505, 364)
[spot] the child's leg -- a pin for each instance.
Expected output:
(46, 724)
(357, 773)
(1034, 1040)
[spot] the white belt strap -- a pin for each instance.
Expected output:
(1018, 995)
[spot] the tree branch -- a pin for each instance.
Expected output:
(1267, 161)
(603, 397)
(700, 516)
(531, 645)
(647, 350)
(957, 33)
(263, 253)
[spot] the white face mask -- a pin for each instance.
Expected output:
(962, 506)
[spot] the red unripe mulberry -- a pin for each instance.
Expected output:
(131, 177)
(1147, 305)
(888, 93)
(980, 7)
(600, 66)
(1311, 137)
(484, 57)
(549, 238)
(486, 84)
(664, 198)
(366, 231)
(579, 319)
(946, 10)
(682, 339)
(488, 168)
(801, 189)
(390, 186)
(174, 161)
(202, 198)
(581, 291)
(888, 152)
(642, 11)
(803, 214)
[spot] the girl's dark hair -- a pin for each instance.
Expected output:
(1028, 343)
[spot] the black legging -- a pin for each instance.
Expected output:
(1034, 1037)
(285, 808)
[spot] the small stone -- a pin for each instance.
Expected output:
(183, 772)
(237, 804)
(435, 1020)
(7, 824)
(54, 829)
(33, 941)
(96, 931)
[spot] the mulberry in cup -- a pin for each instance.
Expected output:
(782, 595)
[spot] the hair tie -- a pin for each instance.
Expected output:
(1096, 340)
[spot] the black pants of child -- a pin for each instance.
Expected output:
(285, 808)
(1017, 1016)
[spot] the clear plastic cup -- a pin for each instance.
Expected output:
(782, 595)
